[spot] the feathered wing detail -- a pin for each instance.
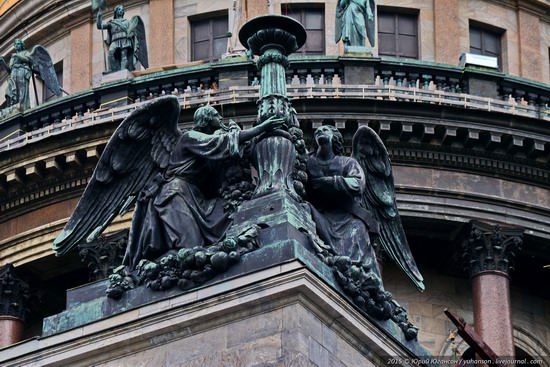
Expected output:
(138, 149)
(340, 10)
(371, 36)
(43, 66)
(379, 198)
(140, 46)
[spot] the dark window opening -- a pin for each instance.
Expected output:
(209, 38)
(397, 34)
(486, 42)
(313, 20)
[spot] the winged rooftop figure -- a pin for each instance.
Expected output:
(21, 68)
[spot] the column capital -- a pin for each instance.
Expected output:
(14, 293)
(490, 248)
(105, 254)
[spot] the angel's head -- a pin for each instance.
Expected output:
(330, 134)
(19, 45)
(119, 12)
(207, 118)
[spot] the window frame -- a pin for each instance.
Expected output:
(485, 30)
(209, 19)
(302, 9)
(396, 13)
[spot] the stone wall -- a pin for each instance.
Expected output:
(530, 314)
(279, 316)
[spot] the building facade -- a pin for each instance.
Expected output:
(467, 142)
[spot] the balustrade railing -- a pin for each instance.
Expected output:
(306, 78)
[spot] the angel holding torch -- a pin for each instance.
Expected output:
(172, 177)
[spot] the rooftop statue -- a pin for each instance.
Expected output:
(355, 22)
(125, 39)
(21, 68)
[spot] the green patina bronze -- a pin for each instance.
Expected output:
(125, 41)
(23, 65)
(355, 22)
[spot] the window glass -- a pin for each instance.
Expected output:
(397, 34)
(313, 21)
(209, 38)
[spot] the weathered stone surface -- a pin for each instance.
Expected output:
(161, 53)
(278, 315)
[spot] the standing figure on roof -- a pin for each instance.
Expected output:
(355, 22)
(126, 41)
(22, 65)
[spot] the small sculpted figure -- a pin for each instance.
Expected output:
(21, 68)
(355, 22)
(175, 177)
(126, 41)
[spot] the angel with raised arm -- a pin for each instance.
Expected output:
(353, 204)
(22, 66)
(126, 41)
(174, 176)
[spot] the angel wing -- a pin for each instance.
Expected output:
(43, 66)
(379, 198)
(340, 10)
(140, 47)
(370, 22)
(139, 148)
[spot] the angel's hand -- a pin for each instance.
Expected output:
(322, 182)
(232, 125)
(272, 123)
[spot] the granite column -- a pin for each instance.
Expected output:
(489, 252)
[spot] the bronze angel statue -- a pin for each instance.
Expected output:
(173, 177)
(125, 40)
(352, 202)
(21, 68)
(355, 22)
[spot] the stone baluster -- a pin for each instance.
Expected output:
(399, 77)
(426, 79)
(328, 76)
